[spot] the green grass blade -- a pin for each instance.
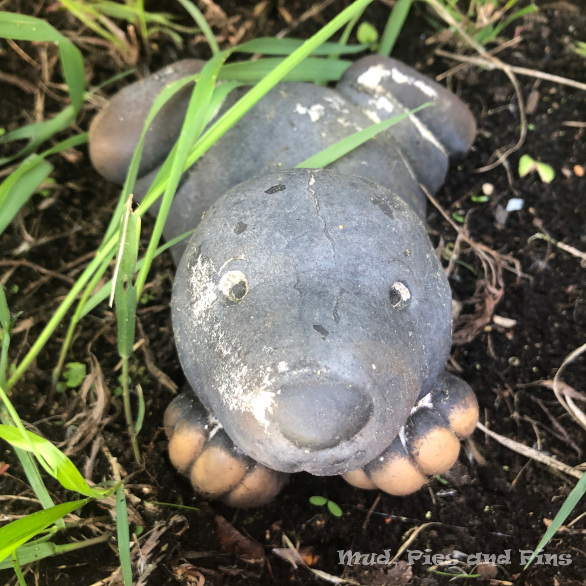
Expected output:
(39, 550)
(5, 332)
(107, 250)
(163, 97)
(126, 299)
(141, 409)
(73, 72)
(193, 126)
(124, 290)
(311, 69)
(28, 28)
(272, 46)
(393, 27)
(104, 292)
(123, 536)
(19, 186)
(32, 131)
(569, 505)
(142, 21)
(31, 471)
(202, 23)
(18, 570)
(348, 31)
(55, 462)
(349, 143)
(20, 531)
(504, 23)
(95, 21)
(22, 27)
(77, 315)
(39, 132)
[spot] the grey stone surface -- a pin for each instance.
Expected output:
(449, 120)
(287, 296)
(116, 130)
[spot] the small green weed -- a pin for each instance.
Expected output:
(528, 165)
(320, 501)
(73, 375)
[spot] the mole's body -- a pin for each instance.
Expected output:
(311, 315)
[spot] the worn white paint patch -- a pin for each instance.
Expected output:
(314, 112)
(373, 116)
(424, 402)
(203, 286)
(382, 103)
(237, 393)
(237, 389)
(399, 77)
(372, 77)
(337, 103)
(426, 133)
(282, 366)
(403, 437)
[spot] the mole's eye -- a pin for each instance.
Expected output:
(234, 286)
(399, 295)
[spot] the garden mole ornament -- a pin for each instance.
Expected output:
(311, 315)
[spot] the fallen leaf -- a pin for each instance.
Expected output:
(232, 541)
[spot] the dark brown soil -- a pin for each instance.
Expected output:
(501, 504)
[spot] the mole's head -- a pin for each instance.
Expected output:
(310, 313)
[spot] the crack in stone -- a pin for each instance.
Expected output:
(317, 211)
(336, 304)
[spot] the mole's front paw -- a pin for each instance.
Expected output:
(200, 448)
(429, 442)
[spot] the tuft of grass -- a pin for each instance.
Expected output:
(97, 15)
(21, 27)
(393, 27)
(484, 20)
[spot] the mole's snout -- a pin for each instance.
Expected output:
(321, 417)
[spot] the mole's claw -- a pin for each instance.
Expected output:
(186, 429)
(201, 449)
(455, 401)
(393, 471)
(428, 443)
(259, 486)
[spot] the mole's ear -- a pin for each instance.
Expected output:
(115, 131)
(372, 79)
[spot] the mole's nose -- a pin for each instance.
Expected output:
(321, 417)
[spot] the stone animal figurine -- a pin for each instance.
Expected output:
(311, 315)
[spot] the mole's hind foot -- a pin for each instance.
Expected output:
(429, 442)
(200, 448)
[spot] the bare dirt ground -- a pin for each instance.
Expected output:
(494, 500)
